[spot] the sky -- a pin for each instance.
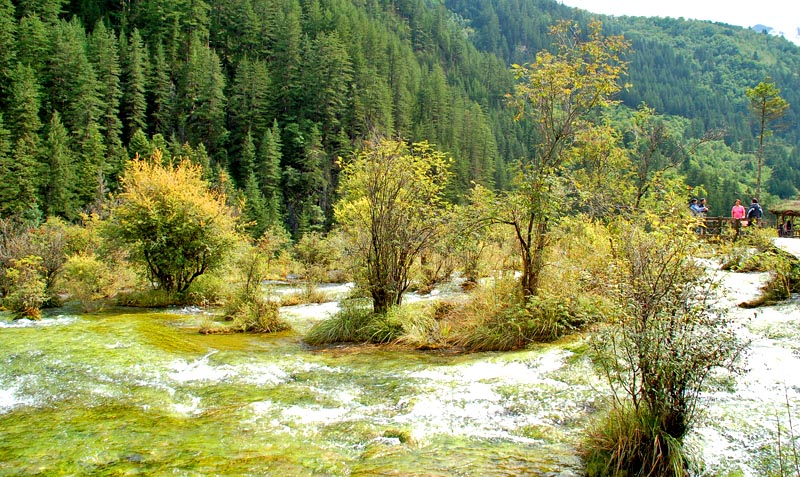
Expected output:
(782, 15)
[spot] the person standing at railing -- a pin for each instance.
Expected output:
(703, 206)
(738, 212)
(754, 212)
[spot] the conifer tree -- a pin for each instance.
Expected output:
(139, 145)
(73, 86)
(24, 103)
(9, 186)
(33, 44)
(24, 127)
(49, 11)
(60, 177)
(161, 93)
(287, 62)
(249, 100)
(767, 106)
(104, 53)
(134, 103)
(202, 100)
(255, 207)
(90, 180)
(331, 73)
(8, 27)
(268, 172)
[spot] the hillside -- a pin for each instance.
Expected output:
(268, 93)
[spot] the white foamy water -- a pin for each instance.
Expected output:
(11, 398)
(738, 423)
(26, 323)
(199, 370)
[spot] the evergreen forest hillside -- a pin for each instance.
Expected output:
(267, 94)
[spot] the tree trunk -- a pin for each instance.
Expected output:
(533, 260)
(382, 300)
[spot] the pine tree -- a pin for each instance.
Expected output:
(134, 66)
(24, 103)
(90, 181)
(33, 44)
(139, 145)
(9, 180)
(331, 76)
(268, 172)
(8, 27)
(202, 100)
(58, 189)
(161, 93)
(104, 53)
(73, 86)
(255, 207)
(249, 104)
(49, 11)
(287, 62)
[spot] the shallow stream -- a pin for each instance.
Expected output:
(143, 393)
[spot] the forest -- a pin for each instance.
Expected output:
(279, 90)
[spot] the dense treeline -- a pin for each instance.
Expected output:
(266, 94)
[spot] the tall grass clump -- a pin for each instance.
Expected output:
(347, 325)
(572, 295)
(666, 337)
(418, 325)
(248, 307)
(628, 442)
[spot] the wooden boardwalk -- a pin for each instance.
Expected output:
(721, 226)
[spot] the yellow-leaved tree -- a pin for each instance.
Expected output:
(391, 211)
(558, 94)
(171, 221)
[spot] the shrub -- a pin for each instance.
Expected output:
(207, 290)
(89, 281)
(256, 315)
(171, 222)
(661, 346)
(27, 287)
(51, 241)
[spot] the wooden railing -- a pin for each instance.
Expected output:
(719, 225)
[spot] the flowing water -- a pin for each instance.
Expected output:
(143, 393)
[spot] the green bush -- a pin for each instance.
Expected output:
(256, 315)
(207, 290)
(26, 287)
(657, 351)
(88, 280)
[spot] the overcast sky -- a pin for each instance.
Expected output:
(782, 15)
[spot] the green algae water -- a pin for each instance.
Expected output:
(143, 393)
(122, 393)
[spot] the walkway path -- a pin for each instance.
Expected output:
(791, 245)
